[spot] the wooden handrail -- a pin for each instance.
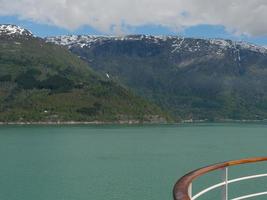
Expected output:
(180, 190)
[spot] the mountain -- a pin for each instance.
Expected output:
(13, 31)
(195, 79)
(45, 82)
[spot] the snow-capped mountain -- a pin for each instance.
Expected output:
(176, 43)
(192, 78)
(14, 31)
(90, 40)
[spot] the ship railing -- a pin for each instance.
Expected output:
(183, 188)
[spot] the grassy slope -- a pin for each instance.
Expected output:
(44, 82)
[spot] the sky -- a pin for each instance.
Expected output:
(229, 19)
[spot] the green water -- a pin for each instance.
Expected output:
(117, 162)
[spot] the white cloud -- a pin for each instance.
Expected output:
(238, 16)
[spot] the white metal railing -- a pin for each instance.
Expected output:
(183, 188)
(224, 184)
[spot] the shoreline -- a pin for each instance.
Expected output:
(66, 123)
(131, 122)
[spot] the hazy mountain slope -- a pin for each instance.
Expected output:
(45, 82)
(192, 78)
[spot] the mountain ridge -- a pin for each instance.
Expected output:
(86, 40)
(41, 82)
(192, 78)
(14, 31)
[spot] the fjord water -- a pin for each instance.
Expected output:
(117, 162)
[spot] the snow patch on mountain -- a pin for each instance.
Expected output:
(86, 41)
(177, 44)
(252, 47)
(221, 43)
(224, 44)
(13, 30)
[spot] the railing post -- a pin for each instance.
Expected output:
(190, 190)
(225, 186)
